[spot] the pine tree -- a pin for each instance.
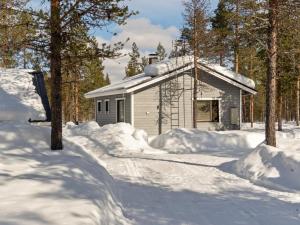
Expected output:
(221, 30)
(195, 16)
(161, 52)
(134, 66)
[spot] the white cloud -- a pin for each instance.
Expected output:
(146, 35)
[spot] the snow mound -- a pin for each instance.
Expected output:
(193, 140)
(271, 167)
(112, 139)
(18, 97)
(38, 186)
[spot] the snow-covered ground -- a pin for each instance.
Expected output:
(40, 187)
(112, 175)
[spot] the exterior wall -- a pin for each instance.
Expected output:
(229, 95)
(103, 118)
(146, 106)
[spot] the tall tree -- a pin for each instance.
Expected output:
(195, 16)
(134, 65)
(271, 74)
(161, 52)
(65, 15)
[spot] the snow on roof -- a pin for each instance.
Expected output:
(153, 71)
(18, 96)
(168, 65)
(119, 86)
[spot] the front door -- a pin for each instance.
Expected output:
(120, 111)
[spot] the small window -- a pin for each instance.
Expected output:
(107, 106)
(208, 111)
(99, 106)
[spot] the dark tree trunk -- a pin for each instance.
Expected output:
(271, 74)
(279, 106)
(251, 97)
(297, 100)
(56, 77)
(195, 89)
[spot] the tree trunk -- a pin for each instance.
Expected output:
(237, 38)
(271, 75)
(251, 97)
(56, 76)
(297, 100)
(195, 74)
(279, 107)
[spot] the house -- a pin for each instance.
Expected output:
(161, 98)
(23, 96)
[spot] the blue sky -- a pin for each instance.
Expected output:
(157, 21)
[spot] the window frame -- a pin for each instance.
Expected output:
(211, 111)
(99, 101)
(107, 106)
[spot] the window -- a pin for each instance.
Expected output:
(99, 106)
(107, 106)
(208, 111)
(120, 110)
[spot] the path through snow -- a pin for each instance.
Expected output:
(192, 189)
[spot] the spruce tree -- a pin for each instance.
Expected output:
(134, 66)
(161, 52)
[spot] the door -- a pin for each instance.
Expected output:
(120, 111)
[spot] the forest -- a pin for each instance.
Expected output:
(257, 38)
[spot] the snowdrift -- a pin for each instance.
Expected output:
(111, 139)
(18, 97)
(271, 167)
(193, 141)
(43, 187)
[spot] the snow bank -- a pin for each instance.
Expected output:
(112, 139)
(19, 100)
(271, 167)
(194, 140)
(38, 186)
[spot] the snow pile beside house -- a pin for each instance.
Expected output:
(19, 100)
(192, 141)
(38, 186)
(271, 167)
(112, 139)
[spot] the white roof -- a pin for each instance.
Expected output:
(18, 96)
(162, 70)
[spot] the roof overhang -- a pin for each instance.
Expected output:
(160, 78)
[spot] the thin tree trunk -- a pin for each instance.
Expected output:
(279, 106)
(76, 102)
(251, 96)
(195, 74)
(237, 38)
(271, 75)
(56, 76)
(297, 100)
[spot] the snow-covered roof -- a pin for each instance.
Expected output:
(18, 96)
(167, 68)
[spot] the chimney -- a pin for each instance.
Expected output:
(153, 58)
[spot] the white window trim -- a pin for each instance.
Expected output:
(116, 99)
(219, 105)
(97, 106)
(107, 100)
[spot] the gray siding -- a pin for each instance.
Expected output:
(103, 118)
(212, 87)
(146, 104)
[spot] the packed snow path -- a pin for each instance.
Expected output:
(194, 189)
